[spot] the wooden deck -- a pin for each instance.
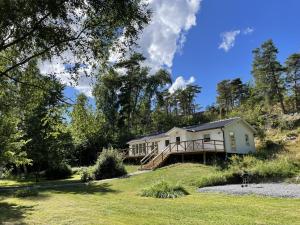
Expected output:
(153, 159)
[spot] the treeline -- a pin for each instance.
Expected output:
(274, 89)
(40, 129)
(130, 101)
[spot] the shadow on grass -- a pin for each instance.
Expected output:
(92, 188)
(12, 213)
(78, 188)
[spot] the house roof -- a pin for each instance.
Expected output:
(211, 125)
(151, 136)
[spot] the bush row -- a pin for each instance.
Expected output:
(258, 170)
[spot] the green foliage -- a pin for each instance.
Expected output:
(59, 171)
(269, 149)
(268, 74)
(86, 174)
(163, 189)
(109, 165)
(37, 33)
(219, 178)
(259, 169)
(27, 192)
(87, 132)
(293, 78)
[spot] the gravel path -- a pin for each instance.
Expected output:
(266, 189)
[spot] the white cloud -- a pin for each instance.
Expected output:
(159, 41)
(80, 81)
(228, 39)
(248, 30)
(181, 83)
(166, 33)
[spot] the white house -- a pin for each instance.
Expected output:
(232, 135)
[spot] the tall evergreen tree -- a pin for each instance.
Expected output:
(293, 77)
(268, 74)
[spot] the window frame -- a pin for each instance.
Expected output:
(178, 140)
(167, 141)
(247, 140)
(205, 139)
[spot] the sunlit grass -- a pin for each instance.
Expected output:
(119, 202)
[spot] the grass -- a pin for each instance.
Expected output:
(118, 202)
(74, 178)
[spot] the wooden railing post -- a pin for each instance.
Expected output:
(215, 145)
(193, 145)
(185, 146)
(202, 144)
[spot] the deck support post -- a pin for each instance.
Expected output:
(204, 158)
(182, 158)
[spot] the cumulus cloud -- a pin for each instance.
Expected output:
(229, 37)
(166, 33)
(159, 41)
(181, 83)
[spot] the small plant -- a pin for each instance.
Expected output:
(164, 190)
(86, 175)
(60, 171)
(109, 165)
(28, 192)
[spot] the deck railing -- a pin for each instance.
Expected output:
(196, 145)
(199, 145)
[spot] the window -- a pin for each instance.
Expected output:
(177, 140)
(140, 149)
(232, 141)
(247, 139)
(167, 142)
(144, 149)
(133, 150)
(206, 137)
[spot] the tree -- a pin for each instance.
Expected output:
(86, 131)
(88, 29)
(186, 97)
(224, 97)
(42, 121)
(293, 77)
(267, 72)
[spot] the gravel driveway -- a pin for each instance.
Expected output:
(266, 189)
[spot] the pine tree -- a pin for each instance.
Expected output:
(293, 77)
(268, 72)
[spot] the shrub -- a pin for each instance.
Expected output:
(220, 178)
(28, 192)
(259, 170)
(164, 190)
(279, 168)
(86, 174)
(109, 165)
(60, 171)
(270, 149)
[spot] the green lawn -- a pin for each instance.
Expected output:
(31, 181)
(117, 202)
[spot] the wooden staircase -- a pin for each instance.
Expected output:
(154, 159)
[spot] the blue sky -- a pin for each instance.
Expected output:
(199, 26)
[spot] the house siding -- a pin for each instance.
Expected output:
(240, 129)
